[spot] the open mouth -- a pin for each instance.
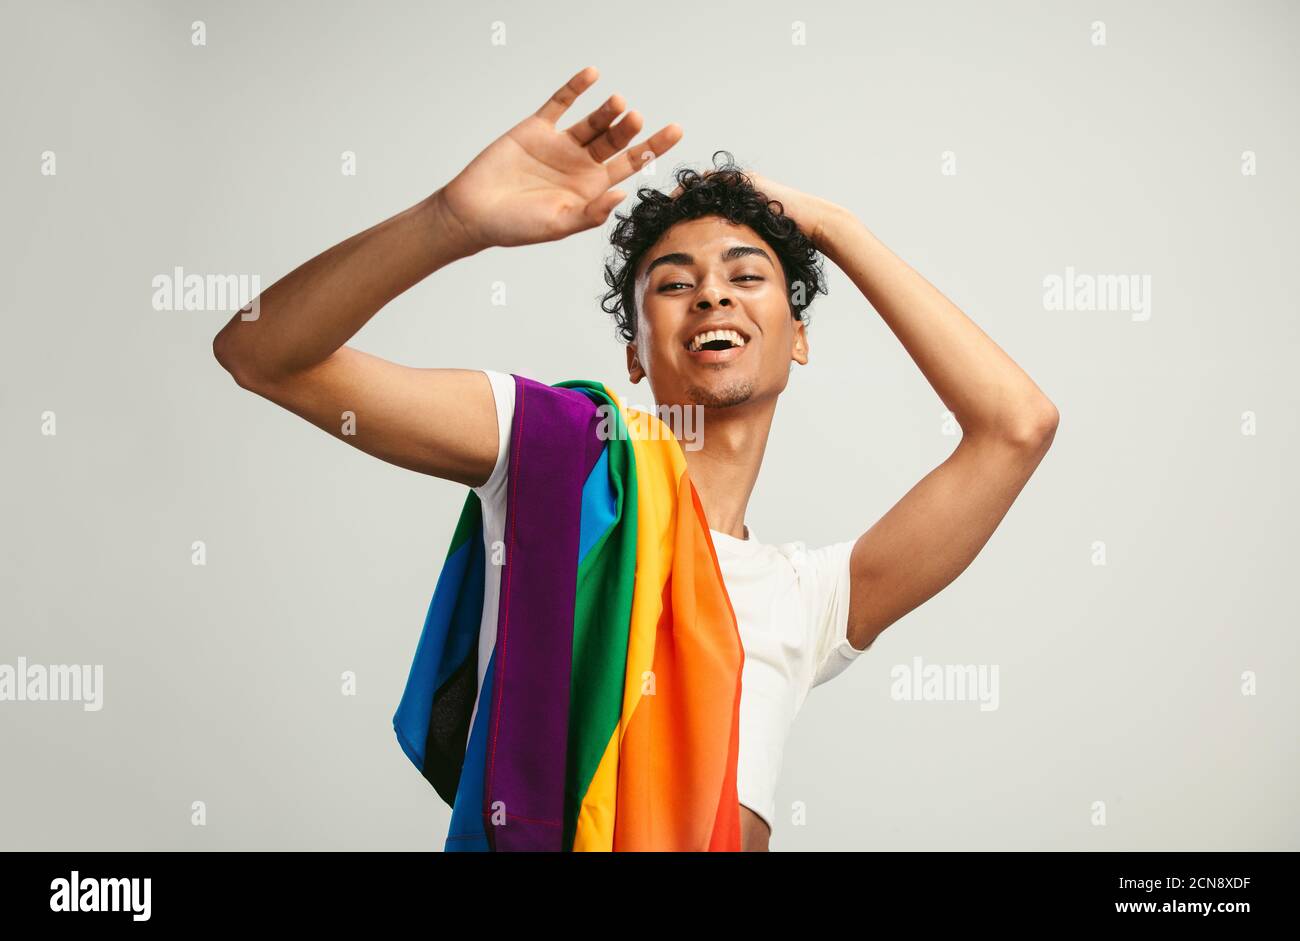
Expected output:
(716, 341)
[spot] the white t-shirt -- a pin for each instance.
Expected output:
(792, 610)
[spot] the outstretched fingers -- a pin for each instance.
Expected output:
(636, 157)
(617, 137)
(567, 94)
(594, 124)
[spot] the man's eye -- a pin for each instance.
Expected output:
(674, 284)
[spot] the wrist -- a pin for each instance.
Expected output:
(838, 226)
(449, 229)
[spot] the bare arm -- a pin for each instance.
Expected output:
(533, 184)
(436, 421)
(938, 527)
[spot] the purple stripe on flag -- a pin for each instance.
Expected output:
(553, 448)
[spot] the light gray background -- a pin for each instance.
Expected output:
(1119, 683)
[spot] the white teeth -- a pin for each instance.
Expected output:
(710, 335)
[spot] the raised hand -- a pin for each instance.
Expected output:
(811, 214)
(537, 183)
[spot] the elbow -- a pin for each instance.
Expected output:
(1036, 429)
(227, 352)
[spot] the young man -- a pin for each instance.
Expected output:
(712, 256)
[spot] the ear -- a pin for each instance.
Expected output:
(634, 371)
(800, 351)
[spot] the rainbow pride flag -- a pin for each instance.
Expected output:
(609, 713)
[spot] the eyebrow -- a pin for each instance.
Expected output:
(731, 254)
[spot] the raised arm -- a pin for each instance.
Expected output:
(535, 183)
(938, 527)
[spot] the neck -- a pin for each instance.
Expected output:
(725, 468)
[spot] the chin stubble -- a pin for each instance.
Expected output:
(734, 392)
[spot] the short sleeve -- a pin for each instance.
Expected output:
(503, 391)
(824, 588)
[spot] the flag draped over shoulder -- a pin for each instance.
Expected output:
(609, 713)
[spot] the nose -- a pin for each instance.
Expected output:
(710, 296)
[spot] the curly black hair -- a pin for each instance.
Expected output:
(723, 191)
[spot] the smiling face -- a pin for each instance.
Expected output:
(705, 275)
